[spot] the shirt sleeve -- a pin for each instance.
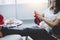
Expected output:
(58, 15)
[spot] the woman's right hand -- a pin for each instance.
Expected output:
(40, 16)
(1, 35)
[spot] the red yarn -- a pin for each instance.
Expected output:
(1, 19)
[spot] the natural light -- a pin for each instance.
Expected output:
(31, 1)
(22, 1)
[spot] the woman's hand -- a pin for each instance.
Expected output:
(41, 16)
(1, 35)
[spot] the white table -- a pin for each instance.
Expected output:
(15, 23)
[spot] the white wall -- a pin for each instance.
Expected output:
(26, 11)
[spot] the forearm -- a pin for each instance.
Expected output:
(52, 24)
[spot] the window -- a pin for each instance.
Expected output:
(22, 1)
(16, 8)
(4, 2)
(31, 1)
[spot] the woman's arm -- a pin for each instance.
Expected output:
(52, 24)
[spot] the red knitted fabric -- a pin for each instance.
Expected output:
(36, 17)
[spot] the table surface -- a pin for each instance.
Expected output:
(27, 25)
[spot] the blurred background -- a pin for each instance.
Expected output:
(22, 9)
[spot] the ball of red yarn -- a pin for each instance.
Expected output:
(1, 19)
